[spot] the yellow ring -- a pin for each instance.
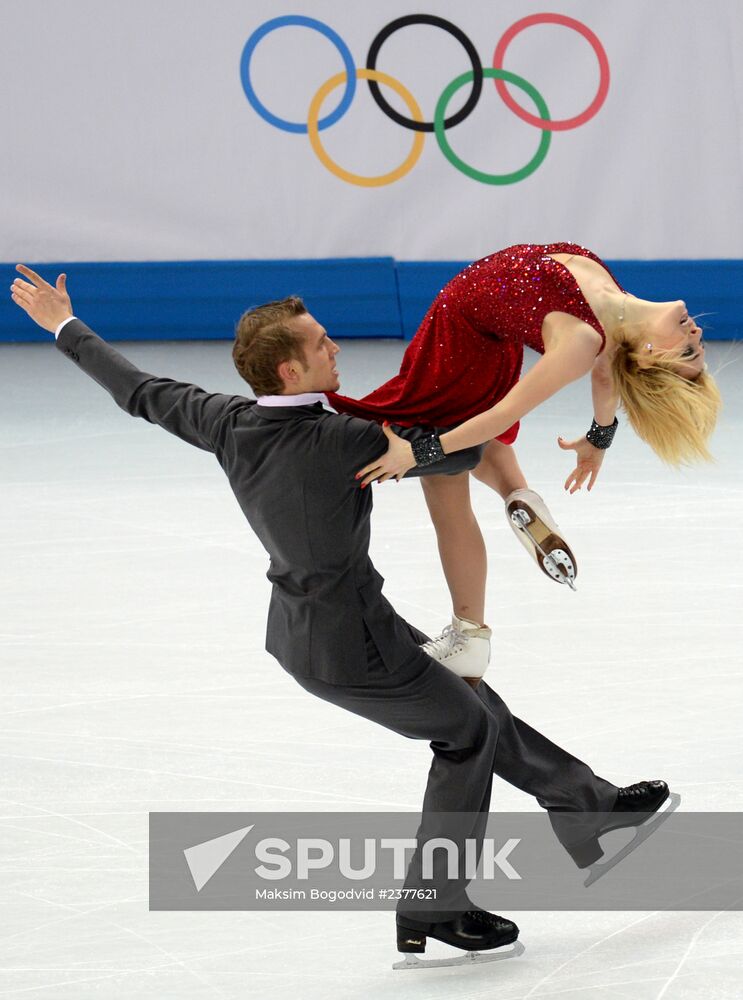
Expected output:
(313, 117)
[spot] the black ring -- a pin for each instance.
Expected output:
(437, 22)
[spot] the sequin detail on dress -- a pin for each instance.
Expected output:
(467, 353)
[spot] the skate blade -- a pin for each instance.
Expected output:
(558, 564)
(648, 828)
(469, 958)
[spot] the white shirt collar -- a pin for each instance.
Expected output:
(303, 399)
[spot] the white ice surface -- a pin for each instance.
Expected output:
(134, 679)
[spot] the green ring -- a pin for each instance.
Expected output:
(478, 175)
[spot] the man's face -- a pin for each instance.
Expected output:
(319, 373)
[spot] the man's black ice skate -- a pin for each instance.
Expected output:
(475, 930)
(637, 805)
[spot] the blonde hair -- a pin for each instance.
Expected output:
(263, 340)
(673, 414)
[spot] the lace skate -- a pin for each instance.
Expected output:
(463, 647)
(475, 930)
(638, 806)
(534, 527)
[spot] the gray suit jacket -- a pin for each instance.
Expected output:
(292, 472)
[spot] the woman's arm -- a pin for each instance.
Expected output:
(605, 396)
(567, 362)
(361, 440)
(550, 374)
(589, 458)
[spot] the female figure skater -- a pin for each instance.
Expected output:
(462, 370)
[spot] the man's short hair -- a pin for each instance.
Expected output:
(263, 340)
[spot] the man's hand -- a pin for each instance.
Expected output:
(46, 305)
(395, 462)
(589, 463)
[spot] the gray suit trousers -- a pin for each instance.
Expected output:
(473, 736)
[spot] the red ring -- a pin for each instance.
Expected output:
(561, 125)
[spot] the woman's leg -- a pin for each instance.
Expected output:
(499, 469)
(460, 541)
(466, 650)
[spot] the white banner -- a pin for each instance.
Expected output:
(178, 129)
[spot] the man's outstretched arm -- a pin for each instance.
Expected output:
(183, 409)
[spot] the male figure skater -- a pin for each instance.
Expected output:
(291, 465)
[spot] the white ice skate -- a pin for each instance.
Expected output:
(535, 528)
(463, 647)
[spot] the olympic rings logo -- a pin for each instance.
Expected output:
(415, 123)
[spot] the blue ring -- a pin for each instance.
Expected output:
(304, 22)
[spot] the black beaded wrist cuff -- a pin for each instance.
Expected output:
(602, 437)
(427, 450)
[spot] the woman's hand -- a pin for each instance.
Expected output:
(589, 462)
(393, 464)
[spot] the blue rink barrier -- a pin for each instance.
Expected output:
(352, 297)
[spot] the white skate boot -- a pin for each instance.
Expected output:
(536, 530)
(463, 647)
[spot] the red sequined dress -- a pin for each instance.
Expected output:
(468, 351)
